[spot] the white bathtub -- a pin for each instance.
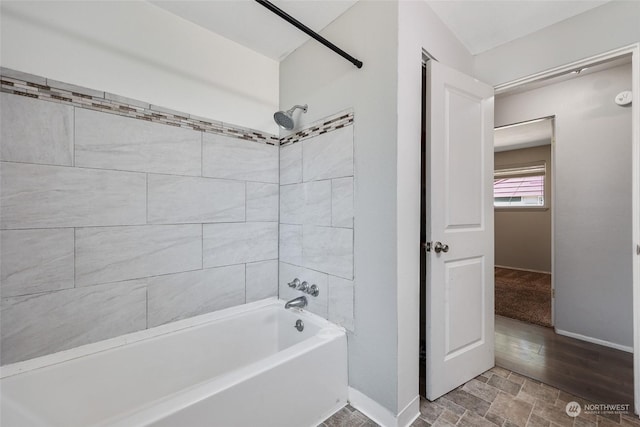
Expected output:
(245, 366)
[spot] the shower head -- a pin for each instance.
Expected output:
(284, 119)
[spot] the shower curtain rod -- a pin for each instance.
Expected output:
(293, 21)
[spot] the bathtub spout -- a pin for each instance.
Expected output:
(299, 302)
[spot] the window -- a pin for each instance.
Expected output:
(519, 186)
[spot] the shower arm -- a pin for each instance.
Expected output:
(299, 25)
(295, 107)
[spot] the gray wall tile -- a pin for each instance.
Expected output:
(233, 158)
(262, 201)
(317, 203)
(288, 272)
(291, 243)
(34, 131)
(341, 302)
(110, 254)
(107, 141)
(292, 204)
(342, 202)
(316, 216)
(34, 261)
(39, 324)
(308, 203)
(329, 155)
(262, 280)
(291, 164)
(329, 250)
(38, 196)
(178, 296)
(179, 199)
(235, 243)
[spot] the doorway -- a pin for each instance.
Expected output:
(592, 131)
(635, 153)
(523, 179)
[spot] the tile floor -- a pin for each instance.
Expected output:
(496, 398)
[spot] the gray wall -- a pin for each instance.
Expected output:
(383, 362)
(592, 230)
(316, 221)
(368, 30)
(313, 74)
(523, 236)
(111, 224)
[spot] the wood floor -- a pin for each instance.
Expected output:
(596, 373)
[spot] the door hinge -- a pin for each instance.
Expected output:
(553, 293)
(637, 249)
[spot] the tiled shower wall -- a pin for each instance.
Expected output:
(112, 224)
(117, 215)
(316, 219)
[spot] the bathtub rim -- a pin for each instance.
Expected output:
(84, 350)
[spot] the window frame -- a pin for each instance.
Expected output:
(538, 168)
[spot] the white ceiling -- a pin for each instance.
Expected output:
(253, 26)
(485, 24)
(479, 24)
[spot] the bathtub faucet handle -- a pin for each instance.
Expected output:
(295, 283)
(303, 287)
(313, 290)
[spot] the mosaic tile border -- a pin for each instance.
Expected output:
(328, 124)
(37, 87)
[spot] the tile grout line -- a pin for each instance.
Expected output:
(146, 293)
(202, 246)
(74, 258)
(146, 201)
(120, 282)
(245, 282)
(139, 172)
(74, 136)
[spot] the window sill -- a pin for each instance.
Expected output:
(521, 209)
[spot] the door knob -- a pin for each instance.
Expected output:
(440, 247)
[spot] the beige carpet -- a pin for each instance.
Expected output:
(523, 295)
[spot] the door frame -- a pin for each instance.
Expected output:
(634, 50)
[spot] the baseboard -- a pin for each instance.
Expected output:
(594, 340)
(382, 415)
(523, 269)
(410, 413)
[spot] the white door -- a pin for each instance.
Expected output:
(460, 317)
